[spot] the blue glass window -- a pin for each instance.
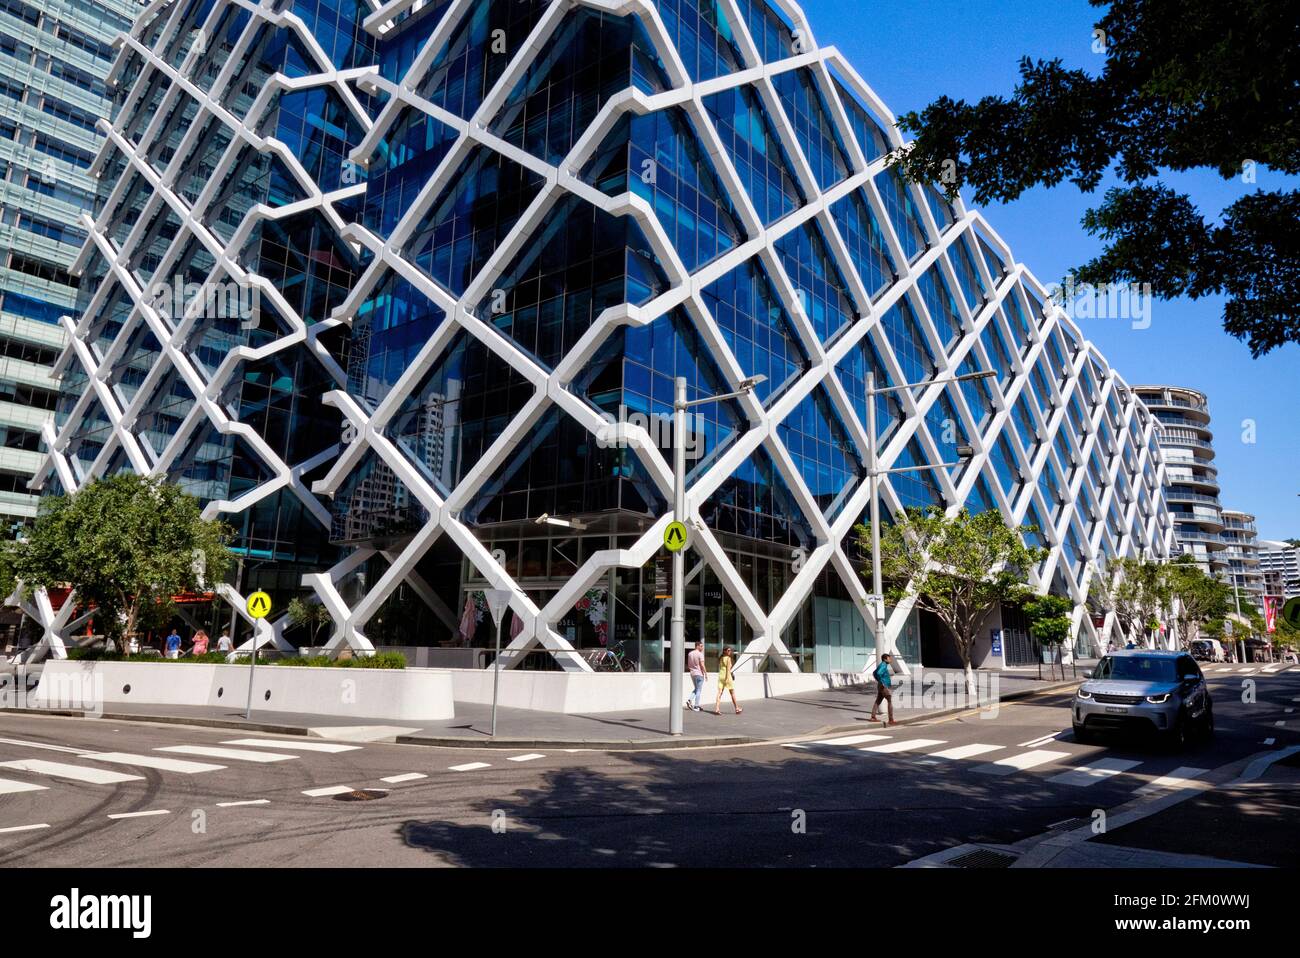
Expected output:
(939, 302)
(865, 242)
(1004, 464)
(908, 342)
(819, 444)
(996, 266)
(402, 165)
(757, 327)
(968, 275)
(804, 105)
(939, 207)
(852, 371)
(391, 327)
(398, 48)
(756, 503)
(760, 160)
(980, 498)
(702, 35)
(772, 35)
(916, 489)
(813, 272)
(902, 212)
(995, 345)
(866, 127)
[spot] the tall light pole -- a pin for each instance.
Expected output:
(677, 648)
(964, 454)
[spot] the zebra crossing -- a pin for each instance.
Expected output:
(1005, 760)
(86, 767)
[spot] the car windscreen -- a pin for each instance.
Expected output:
(1137, 668)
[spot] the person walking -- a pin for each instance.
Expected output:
(173, 645)
(884, 688)
(726, 681)
(695, 664)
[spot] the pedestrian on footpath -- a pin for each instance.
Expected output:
(173, 645)
(884, 688)
(224, 644)
(726, 681)
(695, 663)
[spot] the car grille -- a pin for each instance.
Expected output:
(1117, 699)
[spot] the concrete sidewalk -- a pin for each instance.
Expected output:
(828, 712)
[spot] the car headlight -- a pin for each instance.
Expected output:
(1158, 699)
(1084, 693)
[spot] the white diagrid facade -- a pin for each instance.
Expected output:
(451, 185)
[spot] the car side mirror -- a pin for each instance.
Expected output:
(1088, 674)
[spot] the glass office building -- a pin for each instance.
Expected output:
(452, 256)
(54, 58)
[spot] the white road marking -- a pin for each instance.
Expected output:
(1271, 668)
(1041, 740)
(23, 828)
(1094, 772)
(328, 790)
(52, 748)
(1269, 741)
(1178, 778)
(1245, 670)
(235, 754)
(408, 777)
(965, 751)
(298, 746)
(77, 773)
(531, 756)
(251, 801)
(852, 739)
(1289, 711)
(1280, 723)
(469, 767)
(890, 747)
(1021, 762)
(9, 787)
(363, 733)
(153, 761)
(160, 811)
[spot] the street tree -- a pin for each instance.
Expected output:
(1137, 590)
(958, 567)
(125, 545)
(1182, 85)
(1050, 622)
(312, 616)
(1197, 598)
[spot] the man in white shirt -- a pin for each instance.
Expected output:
(224, 644)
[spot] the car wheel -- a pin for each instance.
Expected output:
(1082, 735)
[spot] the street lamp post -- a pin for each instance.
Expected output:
(677, 635)
(964, 454)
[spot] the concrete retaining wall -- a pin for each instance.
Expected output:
(586, 692)
(409, 695)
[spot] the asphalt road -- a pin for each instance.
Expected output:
(914, 790)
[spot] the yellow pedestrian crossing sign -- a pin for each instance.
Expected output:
(675, 537)
(259, 605)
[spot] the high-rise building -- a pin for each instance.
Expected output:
(477, 242)
(1280, 564)
(1242, 556)
(1193, 480)
(54, 60)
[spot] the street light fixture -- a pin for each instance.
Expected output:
(965, 453)
(577, 525)
(677, 648)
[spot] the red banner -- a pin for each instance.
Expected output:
(1270, 613)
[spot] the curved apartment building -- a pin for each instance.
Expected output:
(1242, 557)
(484, 237)
(1192, 489)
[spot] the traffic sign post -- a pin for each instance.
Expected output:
(259, 607)
(676, 537)
(498, 600)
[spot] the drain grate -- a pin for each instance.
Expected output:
(1067, 823)
(361, 795)
(982, 858)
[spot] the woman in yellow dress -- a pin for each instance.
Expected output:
(726, 681)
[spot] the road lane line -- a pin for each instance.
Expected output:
(1178, 778)
(408, 777)
(469, 767)
(297, 746)
(160, 811)
(1021, 762)
(251, 801)
(851, 739)
(9, 787)
(22, 828)
(328, 790)
(52, 748)
(235, 754)
(1087, 775)
(1280, 723)
(153, 761)
(77, 773)
(1269, 741)
(890, 747)
(965, 751)
(531, 756)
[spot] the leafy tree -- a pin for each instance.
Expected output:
(1050, 622)
(957, 567)
(1198, 598)
(313, 616)
(1185, 84)
(126, 545)
(1138, 592)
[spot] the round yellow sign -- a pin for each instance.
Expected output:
(259, 605)
(675, 537)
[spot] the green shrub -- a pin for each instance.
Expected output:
(380, 660)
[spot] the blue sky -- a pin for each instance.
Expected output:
(912, 51)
